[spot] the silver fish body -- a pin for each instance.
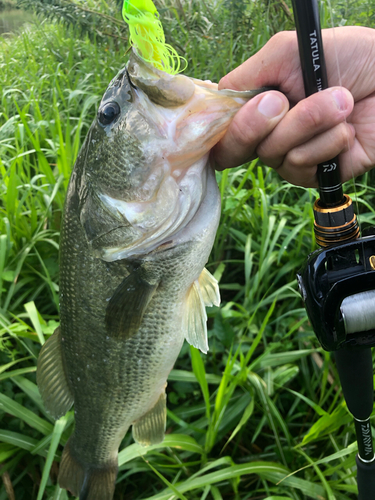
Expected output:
(140, 219)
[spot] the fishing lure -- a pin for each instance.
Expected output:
(147, 36)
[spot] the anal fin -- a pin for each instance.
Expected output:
(51, 378)
(150, 428)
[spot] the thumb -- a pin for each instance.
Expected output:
(253, 122)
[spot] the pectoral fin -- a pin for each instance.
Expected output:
(150, 428)
(195, 319)
(128, 304)
(51, 378)
(209, 289)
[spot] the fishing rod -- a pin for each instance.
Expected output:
(337, 282)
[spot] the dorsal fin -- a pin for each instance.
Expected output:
(51, 378)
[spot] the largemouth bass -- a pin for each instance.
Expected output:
(140, 217)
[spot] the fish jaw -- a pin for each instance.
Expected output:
(176, 127)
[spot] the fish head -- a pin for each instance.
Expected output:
(143, 166)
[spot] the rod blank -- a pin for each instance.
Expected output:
(310, 45)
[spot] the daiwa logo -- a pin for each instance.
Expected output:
(366, 438)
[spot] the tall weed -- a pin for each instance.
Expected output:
(260, 416)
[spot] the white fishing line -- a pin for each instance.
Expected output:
(358, 312)
(348, 145)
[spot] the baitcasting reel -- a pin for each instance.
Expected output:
(337, 285)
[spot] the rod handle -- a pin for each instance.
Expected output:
(356, 377)
(365, 480)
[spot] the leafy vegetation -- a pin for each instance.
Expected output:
(260, 416)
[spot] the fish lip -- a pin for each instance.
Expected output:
(148, 65)
(129, 79)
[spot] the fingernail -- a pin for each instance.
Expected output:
(340, 99)
(271, 105)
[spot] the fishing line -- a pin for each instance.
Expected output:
(335, 43)
(337, 289)
(357, 310)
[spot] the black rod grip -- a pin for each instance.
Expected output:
(365, 480)
(355, 372)
(310, 46)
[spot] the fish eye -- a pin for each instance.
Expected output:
(108, 113)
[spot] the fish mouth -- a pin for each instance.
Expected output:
(176, 120)
(183, 134)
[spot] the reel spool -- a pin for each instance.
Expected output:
(358, 312)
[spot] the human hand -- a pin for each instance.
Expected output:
(314, 130)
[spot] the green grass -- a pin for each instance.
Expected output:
(260, 416)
